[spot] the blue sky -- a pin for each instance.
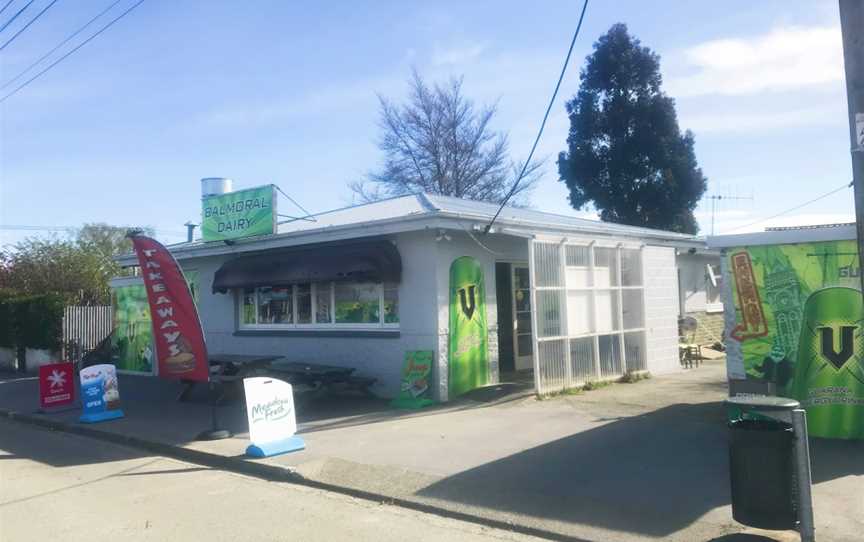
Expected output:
(285, 92)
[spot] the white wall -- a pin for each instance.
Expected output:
(693, 284)
(661, 309)
(423, 312)
(497, 248)
(380, 357)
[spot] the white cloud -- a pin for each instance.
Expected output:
(461, 54)
(761, 121)
(785, 58)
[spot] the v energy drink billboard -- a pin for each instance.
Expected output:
(799, 324)
(132, 339)
(243, 213)
(468, 359)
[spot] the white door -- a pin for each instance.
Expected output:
(522, 341)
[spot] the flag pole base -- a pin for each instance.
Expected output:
(214, 434)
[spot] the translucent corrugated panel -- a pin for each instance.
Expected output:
(547, 265)
(605, 267)
(633, 307)
(607, 310)
(577, 256)
(631, 267)
(578, 312)
(553, 363)
(611, 362)
(549, 303)
(582, 360)
(634, 351)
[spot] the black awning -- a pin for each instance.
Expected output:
(373, 261)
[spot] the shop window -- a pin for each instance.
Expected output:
(320, 305)
(275, 306)
(357, 303)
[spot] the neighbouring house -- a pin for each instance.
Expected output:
(700, 286)
(564, 299)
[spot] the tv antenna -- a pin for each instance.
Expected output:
(716, 197)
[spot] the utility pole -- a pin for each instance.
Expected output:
(852, 28)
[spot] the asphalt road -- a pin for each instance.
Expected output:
(56, 486)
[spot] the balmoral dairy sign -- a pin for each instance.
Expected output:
(244, 213)
(272, 421)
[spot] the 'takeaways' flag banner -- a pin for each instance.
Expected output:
(798, 324)
(177, 333)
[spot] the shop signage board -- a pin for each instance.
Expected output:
(414, 390)
(272, 420)
(468, 351)
(798, 323)
(239, 214)
(178, 336)
(56, 385)
(100, 394)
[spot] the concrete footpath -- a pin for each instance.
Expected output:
(627, 462)
(57, 486)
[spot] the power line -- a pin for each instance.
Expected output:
(26, 26)
(542, 124)
(20, 227)
(80, 45)
(806, 203)
(20, 11)
(59, 45)
(6, 6)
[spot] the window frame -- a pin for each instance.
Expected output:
(314, 325)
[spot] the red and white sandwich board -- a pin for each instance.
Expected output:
(56, 385)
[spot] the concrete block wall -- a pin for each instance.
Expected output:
(661, 309)
(710, 329)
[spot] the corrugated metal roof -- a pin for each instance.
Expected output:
(414, 205)
(394, 214)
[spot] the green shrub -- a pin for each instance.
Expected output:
(8, 325)
(39, 321)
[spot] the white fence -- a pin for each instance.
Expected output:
(589, 312)
(84, 327)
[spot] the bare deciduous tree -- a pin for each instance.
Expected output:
(439, 142)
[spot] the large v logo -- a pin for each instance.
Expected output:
(468, 305)
(847, 345)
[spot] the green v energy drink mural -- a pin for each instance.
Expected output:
(799, 322)
(468, 355)
(132, 340)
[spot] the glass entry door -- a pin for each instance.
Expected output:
(522, 341)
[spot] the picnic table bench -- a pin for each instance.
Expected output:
(319, 377)
(228, 368)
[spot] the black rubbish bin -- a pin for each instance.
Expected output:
(762, 472)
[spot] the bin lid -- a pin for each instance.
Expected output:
(755, 402)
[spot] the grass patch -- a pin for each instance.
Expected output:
(634, 376)
(596, 384)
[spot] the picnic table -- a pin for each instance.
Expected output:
(319, 377)
(228, 368)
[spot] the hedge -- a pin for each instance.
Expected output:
(34, 321)
(7, 319)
